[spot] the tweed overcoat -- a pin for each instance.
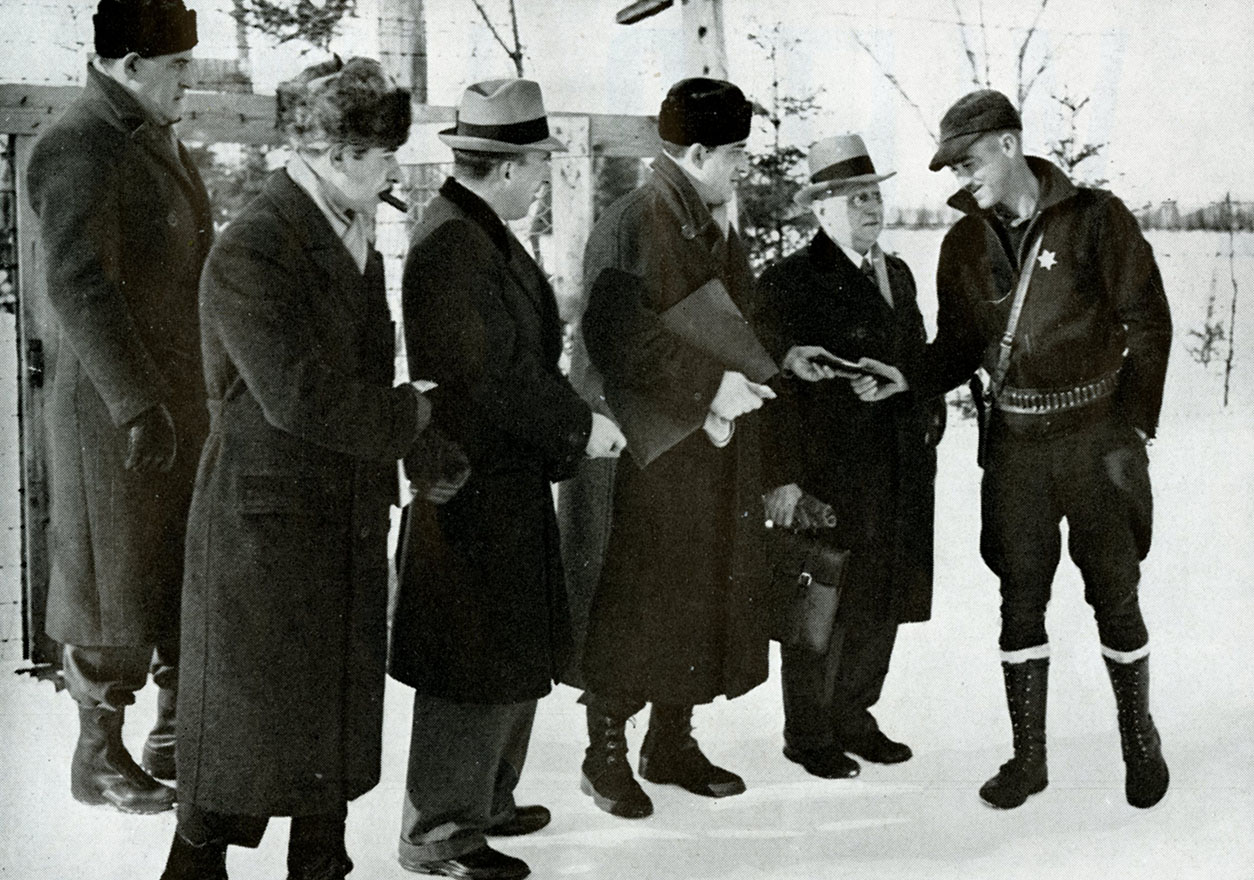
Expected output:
(285, 599)
(875, 463)
(481, 616)
(678, 613)
(126, 225)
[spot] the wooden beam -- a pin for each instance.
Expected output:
(212, 117)
(641, 9)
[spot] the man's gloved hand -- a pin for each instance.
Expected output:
(437, 467)
(151, 442)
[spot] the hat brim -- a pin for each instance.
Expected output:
(813, 191)
(954, 149)
(486, 145)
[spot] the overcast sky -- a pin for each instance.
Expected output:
(1171, 83)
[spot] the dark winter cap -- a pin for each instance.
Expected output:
(146, 27)
(970, 118)
(704, 111)
(344, 102)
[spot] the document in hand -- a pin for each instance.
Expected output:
(709, 319)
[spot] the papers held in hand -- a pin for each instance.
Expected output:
(846, 368)
(710, 320)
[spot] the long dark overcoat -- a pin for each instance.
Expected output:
(126, 225)
(285, 599)
(482, 616)
(874, 463)
(678, 614)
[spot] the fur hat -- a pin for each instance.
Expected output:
(352, 103)
(146, 27)
(704, 111)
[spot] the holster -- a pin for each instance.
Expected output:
(983, 417)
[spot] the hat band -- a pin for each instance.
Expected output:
(520, 133)
(854, 167)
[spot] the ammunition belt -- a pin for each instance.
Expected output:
(1030, 401)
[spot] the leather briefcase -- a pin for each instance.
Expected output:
(807, 574)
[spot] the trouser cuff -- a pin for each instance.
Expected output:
(413, 854)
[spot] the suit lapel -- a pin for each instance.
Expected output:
(321, 242)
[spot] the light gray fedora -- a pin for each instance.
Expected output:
(502, 116)
(838, 162)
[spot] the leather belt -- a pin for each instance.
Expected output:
(1031, 401)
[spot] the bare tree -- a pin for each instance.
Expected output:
(515, 52)
(1232, 315)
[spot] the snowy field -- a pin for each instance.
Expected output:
(944, 697)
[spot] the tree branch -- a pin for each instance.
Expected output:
(492, 29)
(966, 45)
(988, 80)
(1023, 51)
(897, 85)
(518, 49)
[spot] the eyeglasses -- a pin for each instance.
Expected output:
(862, 198)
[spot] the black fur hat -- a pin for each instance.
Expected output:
(352, 103)
(146, 27)
(704, 111)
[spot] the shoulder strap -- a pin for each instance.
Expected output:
(1016, 309)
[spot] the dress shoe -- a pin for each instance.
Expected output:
(524, 821)
(484, 863)
(879, 749)
(829, 763)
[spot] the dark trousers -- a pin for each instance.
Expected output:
(827, 697)
(109, 676)
(313, 839)
(1096, 477)
(465, 760)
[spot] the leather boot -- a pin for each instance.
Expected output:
(188, 862)
(671, 756)
(158, 757)
(1025, 774)
(103, 772)
(607, 776)
(315, 848)
(1146, 778)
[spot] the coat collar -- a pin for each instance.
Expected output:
(479, 211)
(682, 199)
(1055, 188)
(113, 103)
(317, 237)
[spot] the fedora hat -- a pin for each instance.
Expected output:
(502, 116)
(836, 163)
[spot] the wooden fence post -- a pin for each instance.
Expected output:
(573, 180)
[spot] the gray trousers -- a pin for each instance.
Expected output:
(465, 760)
(108, 677)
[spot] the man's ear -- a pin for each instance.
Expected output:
(697, 154)
(129, 64)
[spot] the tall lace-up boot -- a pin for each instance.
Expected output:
(1027, 684)
(1146, 778)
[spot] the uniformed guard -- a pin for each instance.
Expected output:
(1053, 289)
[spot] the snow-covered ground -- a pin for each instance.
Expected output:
(944, 696)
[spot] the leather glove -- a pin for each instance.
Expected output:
(151, 442)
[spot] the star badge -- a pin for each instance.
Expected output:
(1047, 259)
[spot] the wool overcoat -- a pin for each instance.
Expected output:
(482, 616)
(285, 598)
(875, 463)
(126, 225)
(678, 613)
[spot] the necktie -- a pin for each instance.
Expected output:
(868, 269)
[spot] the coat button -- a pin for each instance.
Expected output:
(365, 532)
